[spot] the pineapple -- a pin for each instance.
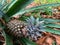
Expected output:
(16, 28)
(32, 29)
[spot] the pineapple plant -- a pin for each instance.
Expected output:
(30, 29)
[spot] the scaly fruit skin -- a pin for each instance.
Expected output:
(16, 28)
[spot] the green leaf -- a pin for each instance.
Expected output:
(26, 41)
(52, 31)
(8, 39)
(49, 20)
(53, 25)
(1, 13)
(54, 43)
(1, 6)
(3, 2)
(47, 10)
(17, 5)
(37, 7)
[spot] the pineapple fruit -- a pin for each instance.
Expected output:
(31, 29)
(16, 28)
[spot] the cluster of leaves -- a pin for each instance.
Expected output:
(16, 7)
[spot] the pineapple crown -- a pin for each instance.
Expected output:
(34, 27)
(35, 23)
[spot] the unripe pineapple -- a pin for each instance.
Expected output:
(16, 28)
(32, 29)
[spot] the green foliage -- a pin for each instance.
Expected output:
(53, 25)
(8, 39)
(52, 31)
(26, 41)
(49, 20)
(37, 7)
(47, 1)
(46, 25)
(53, 1)
(17, 7)
(54, 43)
(47, 10)
(14, 7)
